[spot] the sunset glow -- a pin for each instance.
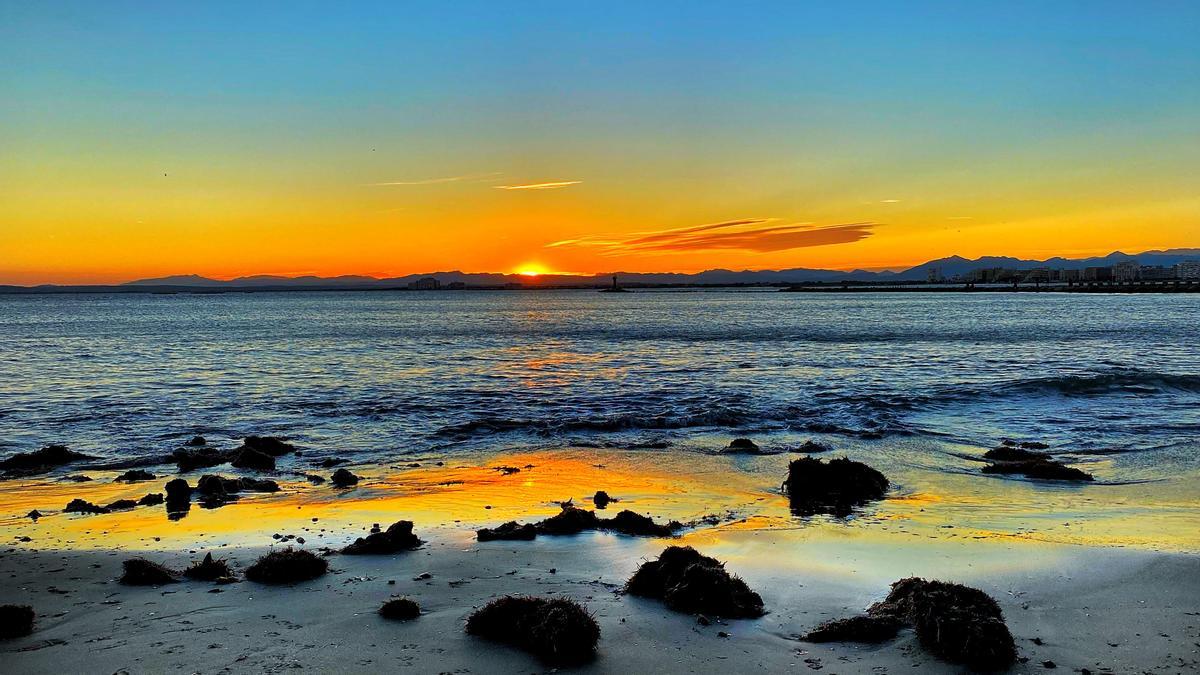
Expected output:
(534, 269)
(152, 143)
(531, 270)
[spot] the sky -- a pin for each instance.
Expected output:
(142, 139)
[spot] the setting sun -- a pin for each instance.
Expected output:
(531, 270)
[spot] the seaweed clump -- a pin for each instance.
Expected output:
(199, 457)
(151, 499)
(254, 460)
(400, 609)
(83, 506)
(16, 621)
(571, 520)
(866, 628)
(813, 447)
(1039, 468)
(267, 445)
(559, 630)
(258, 485)
(694, 584)
(287, 566)
(142, 572)
(743, 446)
(510, 531)
(215, 491)
(210, 569)
(398, 537)
(628, 522)
(40, 461)
(836, 486)
(179, 494)
(956, 623)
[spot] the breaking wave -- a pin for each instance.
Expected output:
(1094, 384)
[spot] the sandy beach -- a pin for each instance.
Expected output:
(1084, 604)
(1103, 610)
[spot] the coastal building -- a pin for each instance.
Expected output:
(1123, 272)
(425, 284)
(1037, 275)
(995, 275)
(1126, 271)
(1155, 273)
(1188, 269)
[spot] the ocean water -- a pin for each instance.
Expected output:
(382, 376)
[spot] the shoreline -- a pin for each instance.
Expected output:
(1079, 598)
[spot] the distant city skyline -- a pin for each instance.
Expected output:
(230, 139)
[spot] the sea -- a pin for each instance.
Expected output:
(384, 375)
(918, 385)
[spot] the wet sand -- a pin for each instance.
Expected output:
(1109, 611)
(1090, 604)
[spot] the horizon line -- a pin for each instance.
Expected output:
(584, 275)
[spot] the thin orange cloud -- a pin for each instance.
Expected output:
(539, 186)
(745, 235)
(667, 235)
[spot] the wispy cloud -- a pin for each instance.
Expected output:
(748, 234)
(539, 186)
(436, 181)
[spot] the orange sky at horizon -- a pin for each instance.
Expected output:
(575, 229)
(227, 140)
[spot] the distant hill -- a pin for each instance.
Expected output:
(177, 280)
(195, 280)
(946, 267)
(957, 265)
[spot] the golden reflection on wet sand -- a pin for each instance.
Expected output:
(725, 504)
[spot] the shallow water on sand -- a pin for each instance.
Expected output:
(917, 385)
